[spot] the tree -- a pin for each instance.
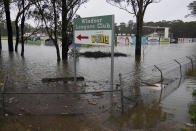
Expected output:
(22, 27)
(46, 11)
(116, 29)
(192, 7)
(69, 8)
(136, 8)
(1, 20)
(9, 25)
(122, 28)
(178, 28)
(22, 9)
(52, 11)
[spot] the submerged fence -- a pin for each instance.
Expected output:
(127, 90)
(162, 79)
(165, 72)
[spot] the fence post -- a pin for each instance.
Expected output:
(180, 67)
(160, 72)
(161, 82)
(190, 60)
(121, 92)
(3, 95)
(2, 103)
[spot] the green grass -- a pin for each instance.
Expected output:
(193, 115)
(34, 42)
(192, 106)
(192, 111)
(192, 72)
(194, 92)
(183, 129)
(6, 38)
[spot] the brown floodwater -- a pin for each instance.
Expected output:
(73, 108)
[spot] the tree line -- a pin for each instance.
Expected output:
(27, 28)
(53, 16)
(178, 28)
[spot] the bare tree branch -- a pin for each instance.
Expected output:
(120, 6)
(146, 5)
(138, 8)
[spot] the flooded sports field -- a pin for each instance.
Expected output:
(152, 94)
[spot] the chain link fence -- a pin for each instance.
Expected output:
(89, 97)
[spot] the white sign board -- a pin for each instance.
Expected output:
(94, 30)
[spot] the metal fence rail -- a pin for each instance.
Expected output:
(128, 87)
(168, 75)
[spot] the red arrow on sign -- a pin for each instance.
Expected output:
(82, 37)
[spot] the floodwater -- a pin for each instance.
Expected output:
(75, 107)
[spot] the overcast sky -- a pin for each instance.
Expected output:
(165, 10)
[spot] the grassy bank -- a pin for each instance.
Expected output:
(6, 38)
(192, 111)
(192, 73)
(192, 106)
(14, 38)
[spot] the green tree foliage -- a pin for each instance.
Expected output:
(178, 28)
(125, 28)
(192, 7)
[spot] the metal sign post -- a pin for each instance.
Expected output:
(75, 79)
(75, 75)
(98, 30)
(112, 55)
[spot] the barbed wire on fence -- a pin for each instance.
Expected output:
(146, 74)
